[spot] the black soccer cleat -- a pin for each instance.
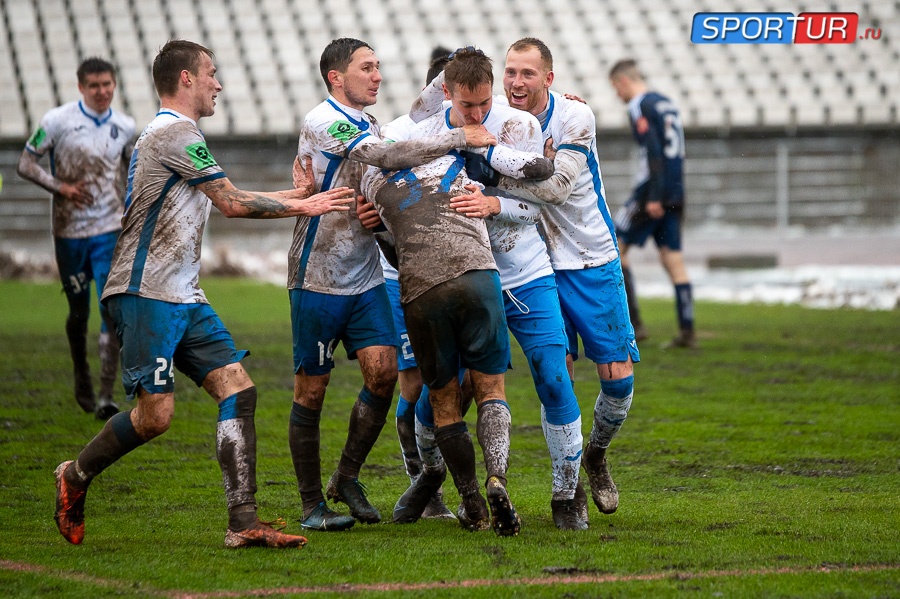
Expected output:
(412, 504)
(325, 519)
(353, 493)
(504, 519)
(566, 514)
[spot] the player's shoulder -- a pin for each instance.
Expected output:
(571, 109)
(62, 113)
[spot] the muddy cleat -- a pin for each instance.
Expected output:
(473, 513)
(263, 534)
(504, 519)
(411, 505)
(84, 391)
(69, 514)
(106, 408)
(324, 518)
(581, 503)
(603, 489)
(684, 340)
(353, 493)
(436, 509)
(566, 514)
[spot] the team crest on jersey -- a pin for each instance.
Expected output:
(114, 132)
(200, 155)
(343, 131)
(38, 138)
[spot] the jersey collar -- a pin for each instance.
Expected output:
(97, 118)
(360, 121)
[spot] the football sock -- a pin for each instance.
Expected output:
(611, 409)
(494, 422)
(236, 452)
(459, 453)
(303, 438)
(564, 443)
(367, 418)
(429, 452)
(631, 296)
(684, 306)
(109, 362)
(406, 433)
(115, 439)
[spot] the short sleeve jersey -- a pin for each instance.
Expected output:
(656, 127)
(158, 252)
(434, 243)
(333, 253)
(580, 232)
(84, 146)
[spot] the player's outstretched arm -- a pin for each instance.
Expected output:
(236, 203)
(416, 152)
(429, 101)
(29, 168)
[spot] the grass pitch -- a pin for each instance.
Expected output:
(764, 464)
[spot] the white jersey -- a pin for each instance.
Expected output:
(333, 253)
(89, 147)
(576, 222)
(158, 252)
(519, 252)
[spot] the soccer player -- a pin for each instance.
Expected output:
(161, 315)
(335, 282)
(531, 300)
(656, 206)
(578, 231)
(89, 145)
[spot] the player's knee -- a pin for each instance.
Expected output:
(382, 380)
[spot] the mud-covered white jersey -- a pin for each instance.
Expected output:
(397, 130)
(158, 252)
(89, 147)
(520, 253)
(576, 222)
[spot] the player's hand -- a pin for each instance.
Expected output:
(574, 97)
(367, 214)
(654, 209)
(77, 193)
(333, 200)
(549, 150)
(304, 178)
(478, 137)
(478, 169)
(475, 204)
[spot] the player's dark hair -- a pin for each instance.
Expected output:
(440, 52)
(174, 57)
(626, 67)
(468, 68)
(337, 56)
(437, 65)
(94, 66)
(527, 43)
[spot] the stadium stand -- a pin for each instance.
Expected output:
(729, 96)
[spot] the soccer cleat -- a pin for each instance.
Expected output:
(504, 519)
(603, 489)
(412, 504)
(263, 534)
(566, 514)
(581, 503)
(473, 513)
(437, 509)
(106, 408)
(353, 493)
(684, 340)
(324, 518)
(69, 514)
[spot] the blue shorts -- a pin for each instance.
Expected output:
(595, 308)
(534, 315)
(406, 359)
(459, 323)
(666, 231)
(320, 320)
(157, 336)
(82, 260)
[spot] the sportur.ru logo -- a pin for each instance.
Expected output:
(778, 28)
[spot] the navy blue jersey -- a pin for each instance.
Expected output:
(657, 128)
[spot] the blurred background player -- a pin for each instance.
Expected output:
(657, 205)
(335, 282)
(162, 317)
(89, 146)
